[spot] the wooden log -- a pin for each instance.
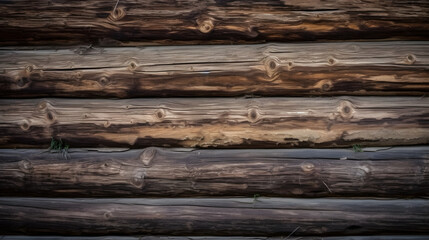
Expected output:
(218, 122)
(366, 68)
(213, 216)
(103, 22)
(391, 237)
(153, 172)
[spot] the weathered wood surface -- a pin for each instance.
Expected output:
(366, 68)
(57, 22)
(216, 122)
(396, 172)
(213, 216)
(391, 237)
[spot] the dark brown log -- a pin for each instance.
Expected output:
(216, 122)
(213, 216)
(391, 237)
(397, 172)
(102, 22)
(367, 68)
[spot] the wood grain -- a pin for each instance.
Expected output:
(215, 122)
(365, 68)
(57, 22)
(213, 216)
(155, 172)
(389, 237)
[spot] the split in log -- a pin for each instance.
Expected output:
(215, 122)
(396, 172)
(367, 68)
(105, 22)
(213, 216)
(391, 237)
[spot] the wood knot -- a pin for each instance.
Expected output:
(362, 172)
(50, 116)
(272, 66)
(23, 82)
(325, 85)
(138, 180)
(108, 215)
(410, 59)
(25, 166)
(289, 65)
(25, 125)
(148, 155)
(346, 109)
(103, 81)
(160, 114)
(29, 68)
(117, 14)
(132, 66)
(205, 25)
(43, 105)
(253, 115)
(307, 167)
(332, 61)
(106, 124)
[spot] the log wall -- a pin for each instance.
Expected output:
(148, 98)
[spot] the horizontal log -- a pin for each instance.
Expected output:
(216, 122)
(154, 172)
(366, 68)
(391, 237)
(213, 216)
(104, 22)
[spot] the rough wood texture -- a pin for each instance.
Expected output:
(59, 22)
(216, 122)
(391, 237)
(377, 68)
(213, 216)
(397, 172)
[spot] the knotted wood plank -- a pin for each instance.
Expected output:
(213, 216)
(155, 172)
(127, 22)
(365, 68)
(216, 122)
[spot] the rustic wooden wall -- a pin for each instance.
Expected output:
(122, 83)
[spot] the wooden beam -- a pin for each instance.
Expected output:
(390, 237)
(213, 216)
(155, 172)
(216, 122)
(104, 22)
(365, 68)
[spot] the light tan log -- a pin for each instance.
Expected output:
(396, 172)
(126, 22)
(216, 122)
(365, 68)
